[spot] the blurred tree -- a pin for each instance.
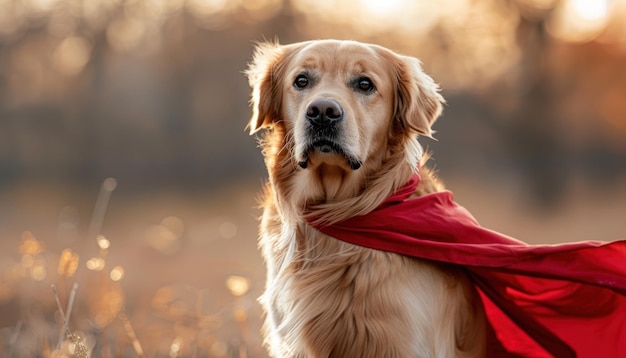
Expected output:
(533, 130)
(152, 92)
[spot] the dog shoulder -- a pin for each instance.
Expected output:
(429, 181)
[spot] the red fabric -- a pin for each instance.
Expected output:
(566, 300)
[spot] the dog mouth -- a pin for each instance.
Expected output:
(327, 147)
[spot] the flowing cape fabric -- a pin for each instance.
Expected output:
(566, 300)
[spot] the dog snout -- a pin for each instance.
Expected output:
(324, 112)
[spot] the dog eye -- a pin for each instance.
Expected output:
(365, 84)
(301, 81)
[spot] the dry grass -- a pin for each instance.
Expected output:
(179, 276)
(88, 299)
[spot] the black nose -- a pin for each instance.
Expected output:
(324, 112)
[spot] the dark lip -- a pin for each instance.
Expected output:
(327, 146)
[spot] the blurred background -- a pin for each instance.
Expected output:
(128, 184)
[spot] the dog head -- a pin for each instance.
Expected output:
(339, 111)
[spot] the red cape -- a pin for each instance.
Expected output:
(566, 300)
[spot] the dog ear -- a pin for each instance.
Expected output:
(264, 76)
(418, 102)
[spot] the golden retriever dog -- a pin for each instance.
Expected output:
(339, 122)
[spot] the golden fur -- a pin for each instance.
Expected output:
(323, 297)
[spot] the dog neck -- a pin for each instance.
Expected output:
(331, 194)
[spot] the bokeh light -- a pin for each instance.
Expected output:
(68, 263)
(175, 347)
(39, 272)
(109, 184)
(580, 20)
(30, 245)
(125, 34)
(165, 237)
(95, 264)
(237, 285)
(103, 242)
(227, 230)
(174, 224)
(383, 8)
(117, 273)
(71, 56)
(590, 9)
